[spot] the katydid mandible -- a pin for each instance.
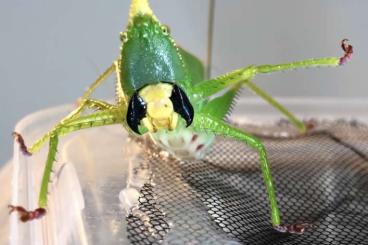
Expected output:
(161, 90)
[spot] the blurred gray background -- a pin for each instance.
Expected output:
(52, 50)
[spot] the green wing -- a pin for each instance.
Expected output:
(221, 107)
(194, 65)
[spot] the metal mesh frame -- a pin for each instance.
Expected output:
(321, 179)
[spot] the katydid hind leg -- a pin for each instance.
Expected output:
(108, 117)
(219, 127)
(29, 215)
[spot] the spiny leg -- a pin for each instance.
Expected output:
(83, 101)
(90, 103)
(221, 106)
(109, 115)
(86, 102)
(98, 105)
(103, 118)
(213, 86)
(25, 215)
(207, 123)
(98, 81)
(261, 93)
(120, 95)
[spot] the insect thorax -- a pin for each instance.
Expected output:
(149, 54)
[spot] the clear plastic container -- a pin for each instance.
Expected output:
(95, 178)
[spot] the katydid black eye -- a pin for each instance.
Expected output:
(123, 37)
(137, 110)
(165, 29)
(182, 105)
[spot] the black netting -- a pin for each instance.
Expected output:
(321, 179)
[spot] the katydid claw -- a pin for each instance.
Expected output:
(22, 145)
(348, 49)
(292, 228)
(25, 215)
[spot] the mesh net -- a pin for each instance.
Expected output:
(321, 179)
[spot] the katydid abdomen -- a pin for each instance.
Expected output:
(184, 143)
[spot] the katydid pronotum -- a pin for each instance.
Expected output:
(161, 90)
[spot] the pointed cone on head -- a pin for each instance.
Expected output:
(139, 7)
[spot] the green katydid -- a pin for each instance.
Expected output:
(161, 91)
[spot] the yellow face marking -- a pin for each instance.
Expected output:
(156, 92)
(174, 121)
(140, 7)
(160, 110)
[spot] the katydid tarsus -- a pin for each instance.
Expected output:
(161, 90)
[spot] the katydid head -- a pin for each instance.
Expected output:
(153, 73)
(148, 52)
(158, 106)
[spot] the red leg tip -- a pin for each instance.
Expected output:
(348, 49)
(293, 229)
(310, 124)
(25, 215)
(22, 145)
